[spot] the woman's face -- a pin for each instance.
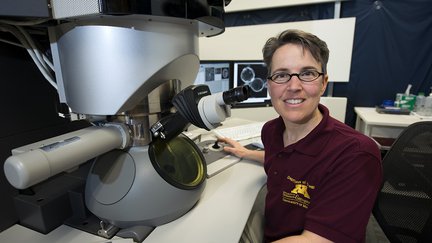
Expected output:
(296, 101)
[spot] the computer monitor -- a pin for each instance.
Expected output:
(215, 74)
(253, 74)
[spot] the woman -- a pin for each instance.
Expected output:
(322, 175)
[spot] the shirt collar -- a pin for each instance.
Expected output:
(314, 142)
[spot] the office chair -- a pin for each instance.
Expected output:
(403, 207)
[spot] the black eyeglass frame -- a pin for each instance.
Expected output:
(271, 77)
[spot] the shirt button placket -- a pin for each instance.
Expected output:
(279, 155)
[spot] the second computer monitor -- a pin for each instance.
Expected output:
(253, 74)
(216, 75)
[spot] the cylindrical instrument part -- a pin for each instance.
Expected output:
(25, 169)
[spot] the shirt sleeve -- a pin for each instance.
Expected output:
(341, 208)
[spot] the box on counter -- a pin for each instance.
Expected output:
(405, 101)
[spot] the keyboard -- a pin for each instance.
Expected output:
(242, 132)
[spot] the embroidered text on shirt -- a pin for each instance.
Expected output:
(300, 188)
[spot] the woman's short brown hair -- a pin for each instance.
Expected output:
(317, 47)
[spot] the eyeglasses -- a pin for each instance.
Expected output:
(305, 76)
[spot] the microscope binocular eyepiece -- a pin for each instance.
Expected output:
(195, 104)
(235, 95)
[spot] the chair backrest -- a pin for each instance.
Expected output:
(404, 205)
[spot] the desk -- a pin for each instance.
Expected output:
(375, 124)
(219, 216)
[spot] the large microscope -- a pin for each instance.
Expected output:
(126, 66)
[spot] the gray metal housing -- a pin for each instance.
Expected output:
(124, 189)
(108, 66)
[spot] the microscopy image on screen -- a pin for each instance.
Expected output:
(254, 75)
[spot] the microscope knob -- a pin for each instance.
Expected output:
(216, 145)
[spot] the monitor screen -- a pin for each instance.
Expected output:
(215, 74)
(253, 74)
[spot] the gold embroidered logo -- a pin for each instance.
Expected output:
(300, 188)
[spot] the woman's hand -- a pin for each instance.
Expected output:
(240, 151)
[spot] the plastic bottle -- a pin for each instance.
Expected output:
(428, 105)
(420, 102)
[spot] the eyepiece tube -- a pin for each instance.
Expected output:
(237, 94)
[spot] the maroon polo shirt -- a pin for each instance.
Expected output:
(325, 183)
